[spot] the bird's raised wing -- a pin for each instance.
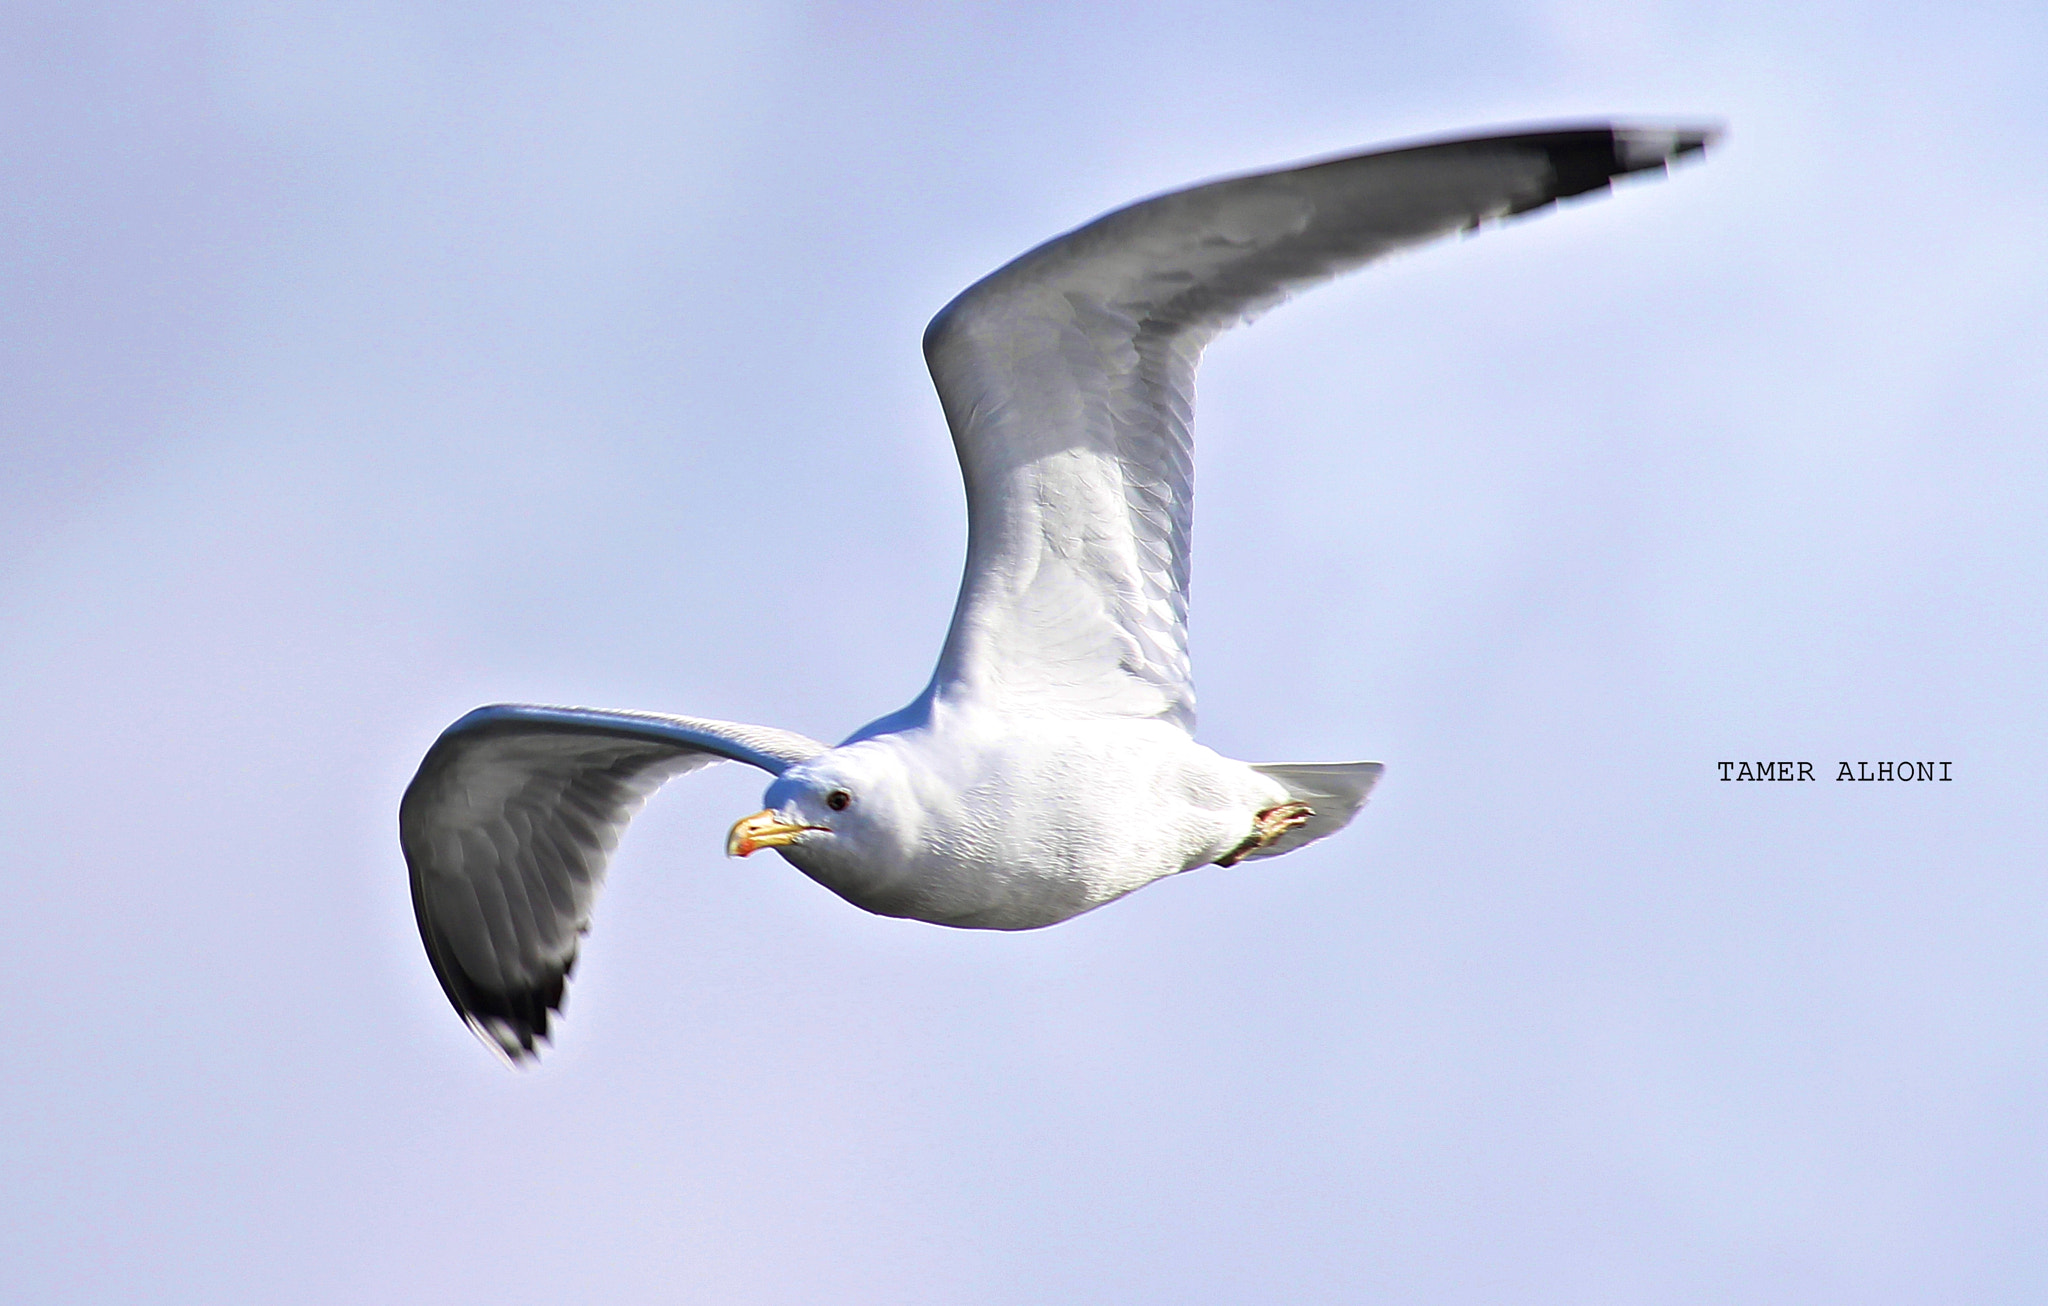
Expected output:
(1068, 378)
(507, 828)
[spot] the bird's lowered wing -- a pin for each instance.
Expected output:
(507, 828)
(1068, 378)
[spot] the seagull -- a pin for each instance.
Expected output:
(1050, 765)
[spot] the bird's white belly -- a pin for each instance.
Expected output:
(1038, 826)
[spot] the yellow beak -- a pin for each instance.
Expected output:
(766, 829)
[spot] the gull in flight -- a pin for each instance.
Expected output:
(1050, 765)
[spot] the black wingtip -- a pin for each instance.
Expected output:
(513, 1024)
(1587, 160)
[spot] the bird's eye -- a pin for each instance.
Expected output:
(838, 800)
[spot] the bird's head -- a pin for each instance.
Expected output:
(850, 812)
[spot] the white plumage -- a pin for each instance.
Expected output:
(1049, 767)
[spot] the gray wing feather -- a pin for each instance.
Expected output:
(1068, 381)
(507, 829)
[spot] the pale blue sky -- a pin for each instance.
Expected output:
(367, 362)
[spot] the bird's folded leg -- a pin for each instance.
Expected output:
(1268, 826)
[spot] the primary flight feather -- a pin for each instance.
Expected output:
(1049, 767)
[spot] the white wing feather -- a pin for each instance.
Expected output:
(1068, 379)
